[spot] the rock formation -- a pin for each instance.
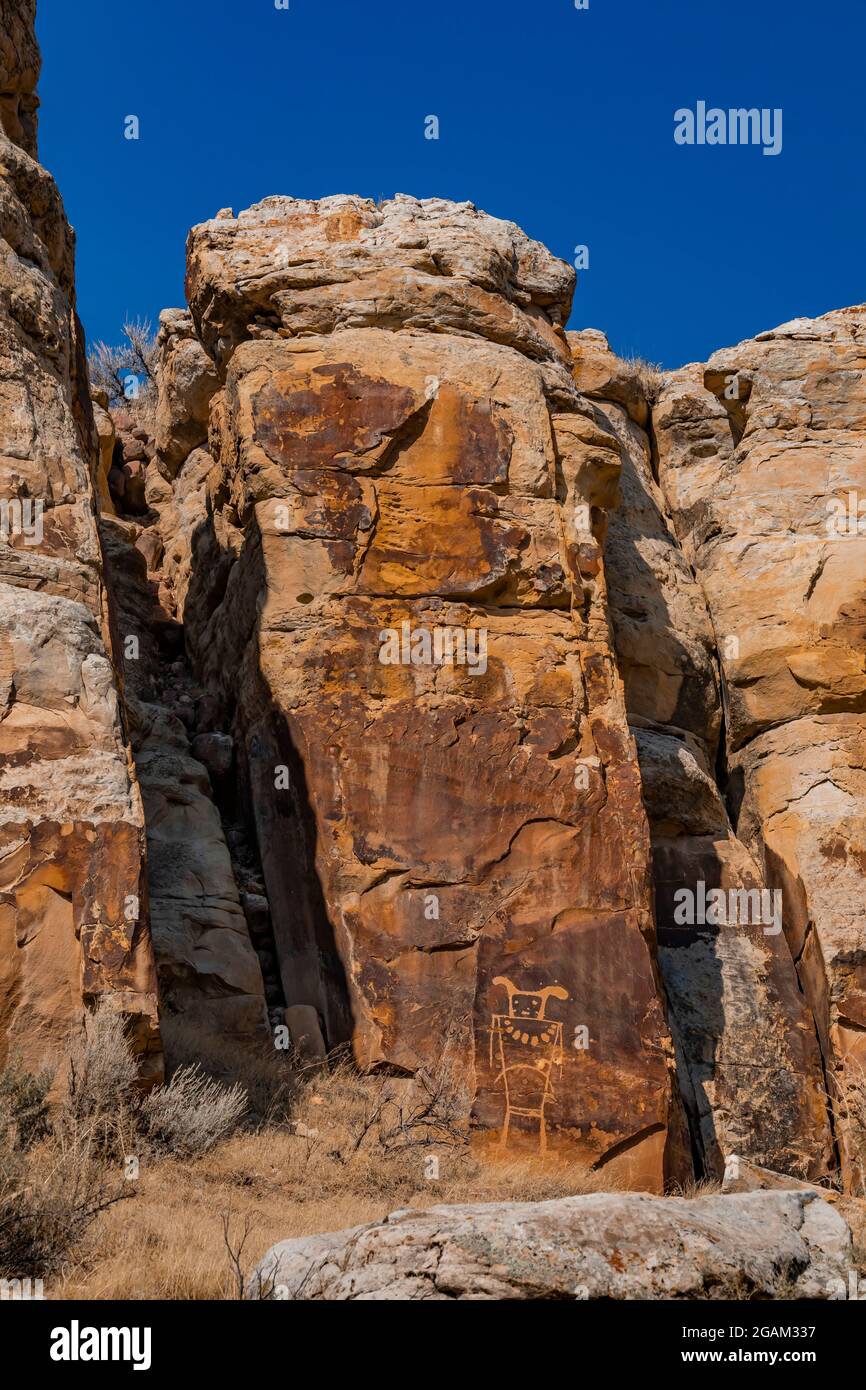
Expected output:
(435, 683)
(749, 1064)
(757, 1245)
(73, 895)
(211, 989)
(761, 455)
(391, 580)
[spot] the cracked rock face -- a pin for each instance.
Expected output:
(763, 463)
(455, 851)
(748, 1060)
(20, 61)
(211, 991)
(73, 925)
(754, 1245)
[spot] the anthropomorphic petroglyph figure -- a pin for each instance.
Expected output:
(528, 1047)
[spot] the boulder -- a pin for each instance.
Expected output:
(306, 1033)
(186, 381)
(764, 1245)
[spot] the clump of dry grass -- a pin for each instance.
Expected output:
(650, 376)
(695, 1187)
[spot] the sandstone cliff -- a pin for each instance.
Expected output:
(73, 895)
(749, 1062)
(761, 456)
(389, 573)
(418, 675)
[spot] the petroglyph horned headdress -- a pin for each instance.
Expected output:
(529, 1003)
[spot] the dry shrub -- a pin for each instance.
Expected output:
(102, 1074)
(270, 1078)
(190, 1114)
(25, 1114)
(110, 367)
(187, 1116)
(50, 1192)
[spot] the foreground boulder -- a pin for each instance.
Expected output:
(755, 1245)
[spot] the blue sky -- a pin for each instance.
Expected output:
(559, 119)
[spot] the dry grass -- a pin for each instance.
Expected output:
(696, 1187)
(343, 1161)
(336, 1150)
(650, 375)
(169, 1242)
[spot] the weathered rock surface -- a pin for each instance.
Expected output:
(211, 991)
(20, 62)
(187, 381)
(762, 456)
(448, 846)
(341, 262)
(748, 1060)
(73, 925)
(788, 1245)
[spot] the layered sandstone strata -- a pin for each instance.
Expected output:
(455, 851)
(748, 1059)
(762, 456)
(73, 901)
